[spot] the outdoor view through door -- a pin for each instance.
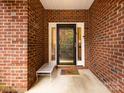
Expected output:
(66, 44)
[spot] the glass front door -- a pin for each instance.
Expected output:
(66, 44)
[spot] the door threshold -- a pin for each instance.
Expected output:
(66, 65)
(71, 66)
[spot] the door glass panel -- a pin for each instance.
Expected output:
(66, 43)
(53, 44)
(79, 42)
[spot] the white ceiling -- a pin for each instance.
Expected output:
(67, 4)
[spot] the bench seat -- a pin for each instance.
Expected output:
(47, 68)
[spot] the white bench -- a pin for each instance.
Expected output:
(46, 69)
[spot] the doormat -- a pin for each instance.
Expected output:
(69, 71)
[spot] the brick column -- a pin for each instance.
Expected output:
(13, 43)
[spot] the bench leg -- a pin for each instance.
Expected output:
(50, 77)
(36, 77)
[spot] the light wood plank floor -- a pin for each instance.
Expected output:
(86, 82)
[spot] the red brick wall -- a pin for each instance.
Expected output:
(20, 34)
(35, 39)
(62, 16)
(106, 33)
(104, 40)
(13, 43)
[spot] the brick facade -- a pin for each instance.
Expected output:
(24, 40)
(21, 42)
(35, 39)
(13, 43)
(106, 33)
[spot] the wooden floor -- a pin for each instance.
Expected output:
(86, 82)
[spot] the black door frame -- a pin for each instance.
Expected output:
(74, 43)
